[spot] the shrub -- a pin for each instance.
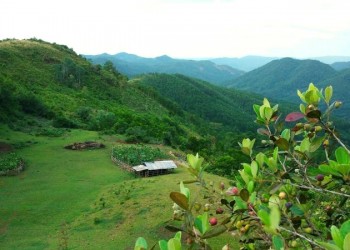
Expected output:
(286, 197)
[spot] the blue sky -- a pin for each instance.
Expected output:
(184, 28)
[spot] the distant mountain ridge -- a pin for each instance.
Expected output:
(132, 65)
(281, 78)
(246, 63)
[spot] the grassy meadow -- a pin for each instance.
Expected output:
(79, 199)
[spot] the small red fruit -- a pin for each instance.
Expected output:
(219, 210)
(233, 191)
(320, 177)
(213, 221)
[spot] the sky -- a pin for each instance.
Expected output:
(184, 28)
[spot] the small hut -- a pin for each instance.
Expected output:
(154, 168)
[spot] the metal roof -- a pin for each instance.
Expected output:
(156, 165)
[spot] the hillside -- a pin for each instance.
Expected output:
(48, 87)
(52, 82)
(246, 63)
(281, 78)
(225, 107)
(132, 65)
(340, 65)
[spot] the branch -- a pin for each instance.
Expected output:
(319, 189)
(301, 236)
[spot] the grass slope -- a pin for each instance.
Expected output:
(80, 198)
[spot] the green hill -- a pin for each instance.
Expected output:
(280, 78)
(48, 87)
(132, 65)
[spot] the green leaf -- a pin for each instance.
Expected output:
(278, 242)
(328, 246)
(244, 176)
(286, 134)
(264, 216)
(246, 151)
(268, 112)
(282, 144)
(251, 186)
(184, 190)
(266, 102)
(244, 194)
(260, 158)
(163, 245)
(316, 143)
(345, 228)
(254, 168)
(180, 199)
(215, 231)
(274, 201)
(256, 110)
(336, 236)
(342, 156)
(296, 211)
(178, 235)
(174, 244)
(302, 108)
(141, 244)
(329, 170)
(202, 223)
(301, 96)
(275, 217)
(328, 92)
(346, 245)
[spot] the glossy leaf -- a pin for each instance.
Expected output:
(251, 186)
(342, 156)
(278, 242)
(345, 228)
(254, 168)
(314, 114)
(180, 199)
(336, 236)
(294, 116)
(202, 223)
(163, 245)
(316, 143)
(265, 217)
(184, 190)
(328, 246)
(141, 244)
(275, 217)
(346, 245)
(174, 244)
(214, 231)
(296, 211)
(328, 92)
(282, 144)
(244, 194)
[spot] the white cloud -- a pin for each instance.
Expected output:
(193, 28)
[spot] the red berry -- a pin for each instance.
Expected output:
(213, 221)
(320, 177)
(219, 210)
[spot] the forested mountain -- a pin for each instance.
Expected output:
(246, 63)
(132, 65)
(281, 78)
(45, 88)
(225, 107)
(340, 65)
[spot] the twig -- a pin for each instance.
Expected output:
(319, 189)
(301, 236)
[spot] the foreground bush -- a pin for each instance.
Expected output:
(293, 194)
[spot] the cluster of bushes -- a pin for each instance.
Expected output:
(9, 161)
(137, 154)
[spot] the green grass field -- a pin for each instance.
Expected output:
(80, 199)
